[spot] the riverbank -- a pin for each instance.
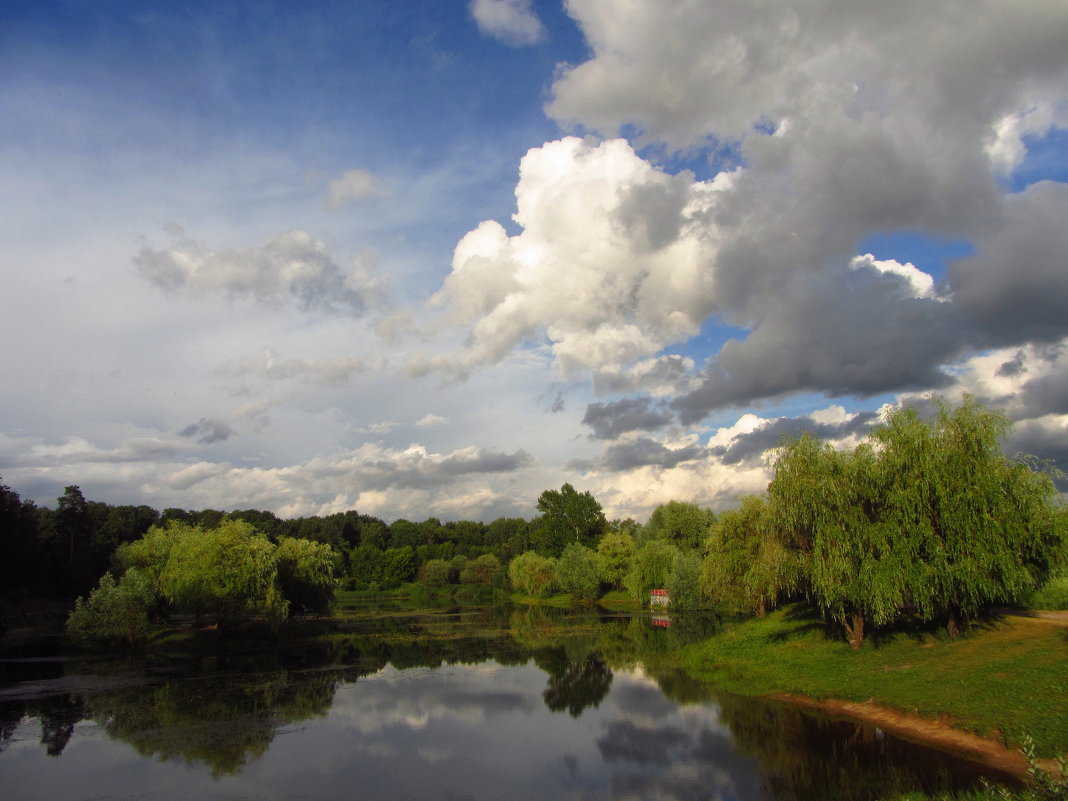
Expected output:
(1002, 682)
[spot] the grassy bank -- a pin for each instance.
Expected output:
(1007, 677)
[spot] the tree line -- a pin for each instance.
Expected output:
(927, 520)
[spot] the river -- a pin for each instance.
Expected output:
(386, 702)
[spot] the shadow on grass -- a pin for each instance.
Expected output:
(927, 631)
(804, 619)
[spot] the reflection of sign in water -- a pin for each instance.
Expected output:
(659, 598)
(664, 621)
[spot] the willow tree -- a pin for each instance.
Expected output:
(230, 572)
(651, 568)
(615, 556)
(532, 573)
(748, 567)
(576, 572)
(985, 527)
(928, 519)
(828, 507)
(306, 573)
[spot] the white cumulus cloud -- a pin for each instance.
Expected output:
(612, 263)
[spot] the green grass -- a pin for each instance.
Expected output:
(561, 600)
(1008, 676)
(618, 599)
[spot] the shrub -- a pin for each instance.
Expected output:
(115, 612)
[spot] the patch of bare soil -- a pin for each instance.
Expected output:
(926, 731)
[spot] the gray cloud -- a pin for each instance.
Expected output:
(293, 268)
(1016, 288)
(1011, 367)
(859, 335)
(759, 441)
(640, 452)
(610, 420)
(414, 468)
(848, 122)
(207, 431)
(1044, 440)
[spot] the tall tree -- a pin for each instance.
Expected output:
(230, 572)
(651, 569)
(568, 516)
(306, 574)
(74, 528)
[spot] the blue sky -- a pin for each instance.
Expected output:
(432, 258)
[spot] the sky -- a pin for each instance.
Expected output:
(432, 258)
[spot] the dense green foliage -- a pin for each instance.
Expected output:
(115, 612)
(615, 557)
(1053, 595)
(576, 572)
(683, 524)
(484, 570)
(568, 516)
(306, 574)
(532, 573)
(231, 573)
(748, 567)
(928, 519)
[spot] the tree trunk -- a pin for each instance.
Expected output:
(762, 608)
(854, 626)
(955, 623)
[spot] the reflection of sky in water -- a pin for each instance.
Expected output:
(458, 732)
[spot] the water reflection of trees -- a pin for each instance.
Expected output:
(578, 686)
(221, 721)
(223, 709)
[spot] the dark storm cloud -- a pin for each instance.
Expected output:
(641, 452)
(1045, 395)
(207, 431)
(1012, 367)
(484, 460)
(1033, 438)
(610, 420)
(860, 335)
(756, 443)
(1016, 288)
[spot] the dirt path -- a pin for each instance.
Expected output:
(927, 731)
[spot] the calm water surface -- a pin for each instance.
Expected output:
(477, 704)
